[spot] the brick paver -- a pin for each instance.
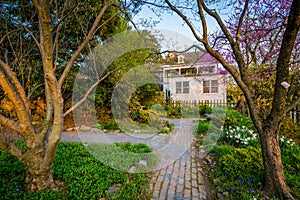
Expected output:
(182, 179)
(182, 184)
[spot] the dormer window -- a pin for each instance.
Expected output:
(180, 59)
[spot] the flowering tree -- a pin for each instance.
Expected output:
(259, 33)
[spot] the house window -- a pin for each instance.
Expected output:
(182, 87)
(171, 73)
(207, 70)
(210, 86)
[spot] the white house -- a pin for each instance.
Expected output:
(193, 76)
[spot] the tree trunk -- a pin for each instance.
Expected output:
(274, 176)
(38, 177)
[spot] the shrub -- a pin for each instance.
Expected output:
(204, 109)
(202, 127)
(290, 130)
(238, 172)
(241, 163)
(173, 111)
(108, 125)
(234, 118)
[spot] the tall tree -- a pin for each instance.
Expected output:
(273, 45)
(46, 37)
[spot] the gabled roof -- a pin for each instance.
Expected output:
(196, 57)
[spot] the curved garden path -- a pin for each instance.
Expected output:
(179, 174)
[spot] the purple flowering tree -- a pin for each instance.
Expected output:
(258, 33)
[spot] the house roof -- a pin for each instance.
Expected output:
(196, 57)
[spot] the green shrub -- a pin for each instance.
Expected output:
(202, 127)
(238, 172)
(241, 163)
(108, 125)
(234, 118)
(173, 111)
(134, 148)
(291, 165)
(290, 130)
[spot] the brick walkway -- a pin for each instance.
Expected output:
(180, 180)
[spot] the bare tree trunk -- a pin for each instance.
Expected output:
(274, 174)
(38, 176)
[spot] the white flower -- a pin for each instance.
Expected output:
(251, 132)
(238, 128)
(238, 136)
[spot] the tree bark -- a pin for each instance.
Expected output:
(38, 177)
(274, 174)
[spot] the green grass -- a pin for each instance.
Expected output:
(83, 175)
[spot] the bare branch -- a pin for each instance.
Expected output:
(86, 94)
(185, 19)
(14, 96)
(203, 21)
(10, 124)
(16, 82)
(22, 24)
(293, 105)
(239, 28)
(12, 149)
(83, 44)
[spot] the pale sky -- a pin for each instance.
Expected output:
(172, 26)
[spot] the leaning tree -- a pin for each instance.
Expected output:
(259, 33)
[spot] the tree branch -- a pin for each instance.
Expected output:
(12, 149)
(239, 28)
(22, 24)
(11, 124)
(293, 105)
(16, 82)
(14, 96)
(86, 94)
(282, 67)
(83, 44)
(234, 45)
(185, 19)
